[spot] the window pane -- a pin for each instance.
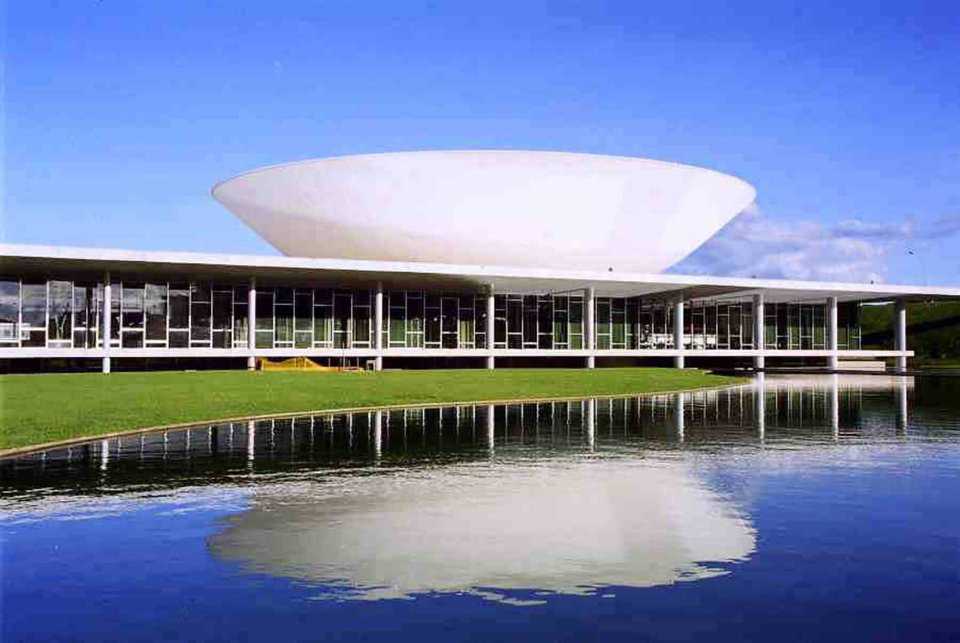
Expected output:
(240, 328)
(415, 314)
(60, 327)
(264, 339)
(9, 310)
(576, 316)
(85, 315)
(449, 322)
(432, 320)
(480, 316)
(132, 305)
(264, 312)
(467, 330)
(560, 337)
(200, 317)
(133, 339)
(362, 327)
(200, 291)
(322, 324)
(283, 331)
(179, 306)
(35, 304)
(530, 321)
(284, 295)
(397, 321)
(342, 304)
(155, 308)
(617, 323)
(304, 310)
(222, 310)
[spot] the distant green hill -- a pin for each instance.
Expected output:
(933, 329)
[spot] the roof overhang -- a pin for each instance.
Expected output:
(91, 263)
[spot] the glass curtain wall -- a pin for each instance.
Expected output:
(796, 326)
(707, 325)
(156, 314)
(538, 321)
(848, 326)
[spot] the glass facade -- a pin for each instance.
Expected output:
(160, 314)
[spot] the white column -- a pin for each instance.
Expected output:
(491, 312)
(378, 328)
(759, 337)
(832, 332)
(252, 324)
(589, 338)
(900, 334)
(678, 361)
(107, 323)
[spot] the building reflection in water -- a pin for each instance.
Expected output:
(795, 409)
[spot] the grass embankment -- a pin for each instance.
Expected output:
(36, 409)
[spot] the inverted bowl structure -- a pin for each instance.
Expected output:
(502, 208)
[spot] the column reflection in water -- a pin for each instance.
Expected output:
(377, 434)
(251, 436)
(104, 454)
(833, 404)
(678, 422)
(491, 425)
(760, 405)
(901, 392)
(591, 422)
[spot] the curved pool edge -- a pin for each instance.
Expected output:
(68, 442)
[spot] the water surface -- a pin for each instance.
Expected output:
(797, 507)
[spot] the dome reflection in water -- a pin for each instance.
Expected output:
(556, 527)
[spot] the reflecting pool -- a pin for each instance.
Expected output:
(795, 507)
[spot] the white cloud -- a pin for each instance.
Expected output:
(944, 227)
(756, 245)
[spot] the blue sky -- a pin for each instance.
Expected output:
(120, 115)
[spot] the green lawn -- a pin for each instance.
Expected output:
(36, 409)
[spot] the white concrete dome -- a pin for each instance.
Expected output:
(502, 208)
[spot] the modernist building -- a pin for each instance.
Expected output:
(405, 259)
